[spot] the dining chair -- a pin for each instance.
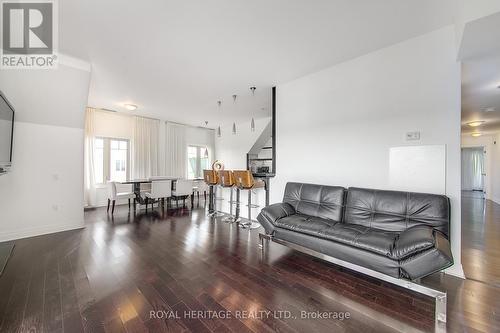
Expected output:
(183, 189)
(199, 186)
(114, 195)
(160, 189)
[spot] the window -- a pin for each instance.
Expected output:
(198, 160)
(111, 160)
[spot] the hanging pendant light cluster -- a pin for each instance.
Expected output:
(252, 123)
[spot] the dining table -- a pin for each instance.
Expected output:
(136, 185)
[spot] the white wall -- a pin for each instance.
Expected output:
(336, 126)
(232, 150)
(44, 191)
(492, 175)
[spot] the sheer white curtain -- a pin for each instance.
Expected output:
(145, 147)
(89, 173)
(176, 150)
(472, 169)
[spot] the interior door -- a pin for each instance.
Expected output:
(473, 169)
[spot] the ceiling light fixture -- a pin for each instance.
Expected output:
(475, 123)
(476, 134)
(130, 107)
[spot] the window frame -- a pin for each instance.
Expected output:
(199, 170)
(107, 157)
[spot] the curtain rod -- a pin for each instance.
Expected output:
(166, 121)
(174, 122)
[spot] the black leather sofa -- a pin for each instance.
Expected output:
(400, 234)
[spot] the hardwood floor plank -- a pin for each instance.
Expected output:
(52, 311)
(72, 319)
(33, 317)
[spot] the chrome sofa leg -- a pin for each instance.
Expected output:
(441, 308)
(263, 239)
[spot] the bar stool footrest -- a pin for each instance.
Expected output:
(250, 225)
(216, 214)
(231, 219)
(253, 206)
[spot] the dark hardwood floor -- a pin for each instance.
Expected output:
(109, 276)
(481, 239)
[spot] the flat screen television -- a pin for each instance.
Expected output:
(6, 133)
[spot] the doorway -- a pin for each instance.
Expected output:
(473, 172)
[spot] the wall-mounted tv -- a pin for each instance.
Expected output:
(6, 133)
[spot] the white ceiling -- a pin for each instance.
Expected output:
(480, 79)
(175, 59)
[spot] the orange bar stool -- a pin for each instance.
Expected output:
(244, 181)
(212, 179)
(226, 180)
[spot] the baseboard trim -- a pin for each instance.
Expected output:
(496, 200)
(38, 231)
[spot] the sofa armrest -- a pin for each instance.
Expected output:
(428, 261)
(413, 240)
(277, 211)
(272, 213)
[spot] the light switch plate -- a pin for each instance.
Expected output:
(412, 136)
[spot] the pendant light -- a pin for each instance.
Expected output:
(252, 123)
(234, 124)
(219, 103)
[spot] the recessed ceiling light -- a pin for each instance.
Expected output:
(130, 107)
(475, 123)
(476, 134)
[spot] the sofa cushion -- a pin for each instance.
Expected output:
(374, 240)
(414, 240)
(377, 241)
(304, 224)
(325, 202)
(396, 211)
